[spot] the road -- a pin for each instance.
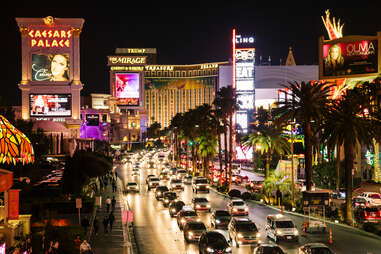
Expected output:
(157, 232)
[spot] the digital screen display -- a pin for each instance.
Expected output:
(242, 121)
(246, 101)
(50, 67)
(350, 58)
(50, 104)
(92, 119)
(127, 88)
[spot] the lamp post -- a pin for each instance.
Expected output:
(292, 164)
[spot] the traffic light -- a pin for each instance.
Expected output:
(191, 143)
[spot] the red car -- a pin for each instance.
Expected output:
(368, 214)
(255, 186)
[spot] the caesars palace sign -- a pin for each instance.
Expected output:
(50, 38)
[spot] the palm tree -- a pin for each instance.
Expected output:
(268, 140)
(176, 127)
(306, 102)
(350, 121)
(207, 144)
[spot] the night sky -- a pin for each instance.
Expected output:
(195, 33)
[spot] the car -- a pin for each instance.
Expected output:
(359, 202)
(268, 248)
(159, 191)
(213, 242)
(373, 198)
(153, 182)
(181, 173)
(237, 179)
(315, 248)
(174, 207)
(220, 219)
(193, 230)
(200, 184)
(176, 184)
(168, 197)
(132, 187)
(368, 214)
(173, 171)
(238, 207)
(186, 215)
(280, 227)
(243, 231)
(187, 179)
(255, 186)
(201, 204)
(148, 177)
(135, 173)
(163, 176)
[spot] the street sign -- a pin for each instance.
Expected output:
(78, 203)
(98, 201)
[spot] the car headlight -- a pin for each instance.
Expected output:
(210, 250)
(158, 193)
(246, 209)
(228, 249)
(239, 235)
(235, 209)
(190, 233)
(128, 188)
(197, 206)
(173, 210)
(198, 219)
(208, 206)
(207, 186)
(166, 201)
(183, 221)
(218, 221)
(278, 232)
(258, 235)
(296, 232)
(198, 187)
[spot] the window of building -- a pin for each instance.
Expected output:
(165, 74)
(171, 73)
(183, 74)
(177, 74)
(104, 118)
(159, 73)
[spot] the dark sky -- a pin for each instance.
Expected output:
(199, 32)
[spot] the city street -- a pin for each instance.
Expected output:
(157, 232)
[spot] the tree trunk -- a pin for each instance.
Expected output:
(268, 159)
(338, 166)
(220, 158)
(308, 156)
(230, 149)
(348, 161)
(226, 156)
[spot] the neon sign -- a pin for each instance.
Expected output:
(50, 38)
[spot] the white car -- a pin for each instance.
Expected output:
(373, 198)
(238, 207)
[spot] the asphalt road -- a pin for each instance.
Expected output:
(157, 232)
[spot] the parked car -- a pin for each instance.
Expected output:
(220, 219)
(315, 248)
(243, 231)
(193, 230)
(368, 214)
(373, 198)
(280, 227)
(159, 192)
(175, 207)
(268, 248)
(237, 179)
(213, 242)
(238, 207)
(255, 186)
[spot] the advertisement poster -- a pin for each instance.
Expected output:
(13, 204)
(50, 67)
(50, 105)
(350, 58)
(127, 88)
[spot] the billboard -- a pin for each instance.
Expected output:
(127, 88)
(50, 104)
(179, 83)
(50, 67)
(350, 58)
(92, 119)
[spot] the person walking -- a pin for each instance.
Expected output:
(111, 219)
(85, 223)
(96, 225)
(105, 224)
(77, 243)
(108, 203)
(85, 248)
(113, 203)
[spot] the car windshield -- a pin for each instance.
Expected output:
(196, 200)
(170, 195)
(284, 224)
(153, 179)
(132, 184)
(321, 250)
(272, 250)
(238, 203)
(375, 196)
(222, 214)
(179, 205)
(246, 227)
(162, 188)
(201, 181)
(196, 226)
(176, 181)
(189, 213)
(216, 239)
(359, 200)
(181, 172)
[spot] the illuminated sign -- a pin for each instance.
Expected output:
(92, 119)
(245, 54)
(350, 58)
(50, 38)
(208, 66)
(50, 67)
(127, 60)
(50, 105)
(239, 39)
(246, 100)
(159, 68)
(241, 119)
(127, 68)
(127, 88)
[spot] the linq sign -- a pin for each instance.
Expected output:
(50, 38)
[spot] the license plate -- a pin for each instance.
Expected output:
(289, 237)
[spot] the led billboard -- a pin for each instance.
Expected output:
(127, 88)
(50, 104)
(50, 67)
(350, 58)
(92, 119)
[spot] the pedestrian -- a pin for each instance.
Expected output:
(105, 224)
(77, 243)
(111, 219)
(113, 186)
(85, 223)
(108, 203)
(96, 225)
(113, 203)
(55, 248)
(85, 247)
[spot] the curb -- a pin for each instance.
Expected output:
(302, 215)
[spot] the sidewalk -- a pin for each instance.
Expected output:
(111, 242)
